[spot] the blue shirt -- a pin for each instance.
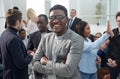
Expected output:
(88, 59)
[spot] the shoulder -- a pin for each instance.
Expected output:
(33, 34)
(75, 37)
(50, 34)
(115, 30)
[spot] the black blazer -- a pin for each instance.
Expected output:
(114, 47)
(14, 55)
(34, 40)
(74, 23)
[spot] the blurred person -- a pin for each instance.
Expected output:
(113, 53)
(97, 35)
(31, 21)
(73, 19)
(14, 54)
(102, 53)
(59, 52)
(87, 65)
(103, 73)
(23, 36)
(35, 37)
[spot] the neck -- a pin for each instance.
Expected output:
(43, 30)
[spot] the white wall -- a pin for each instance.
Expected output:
(61, 2)
(118, 5)
(37, 5)
(2, 14)
(21, 4)
(85, 8)
(47, 6)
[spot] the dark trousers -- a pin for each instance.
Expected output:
(114, 72)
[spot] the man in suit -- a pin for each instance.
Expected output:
(73, 19)
(34, 38)
(59, 52)
(14, 54)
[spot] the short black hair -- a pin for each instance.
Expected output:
(80, 27)
(43, 15)
(60, 7)
(21, 30)
(15, 8)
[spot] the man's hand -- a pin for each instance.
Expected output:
(30, 53)
(44, 60)
(98, 60)
(111, 63)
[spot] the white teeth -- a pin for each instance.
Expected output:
(56, 25)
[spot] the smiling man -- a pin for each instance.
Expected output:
(59, 52)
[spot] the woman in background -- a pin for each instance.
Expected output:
(31, 21)
(87, 65)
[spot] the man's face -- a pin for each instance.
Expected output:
(23, 34)
(72, 13)
(87, 31)
(118, 21)
(58, 21)
(42, 23)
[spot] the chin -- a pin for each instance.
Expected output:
(56, 31)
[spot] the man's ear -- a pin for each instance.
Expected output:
(17, 23)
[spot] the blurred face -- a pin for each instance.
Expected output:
(23, 34)
(42, 23)
(58, 21)
(86, 31)
(97, 36)
(72, 13)
(118, 21)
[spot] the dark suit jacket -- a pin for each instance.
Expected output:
(114, 47)
(34, 40)
(74, 23)
(14, 55)
(1, 66)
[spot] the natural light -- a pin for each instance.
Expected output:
(39, 5)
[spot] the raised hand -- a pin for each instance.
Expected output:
(109, 30)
